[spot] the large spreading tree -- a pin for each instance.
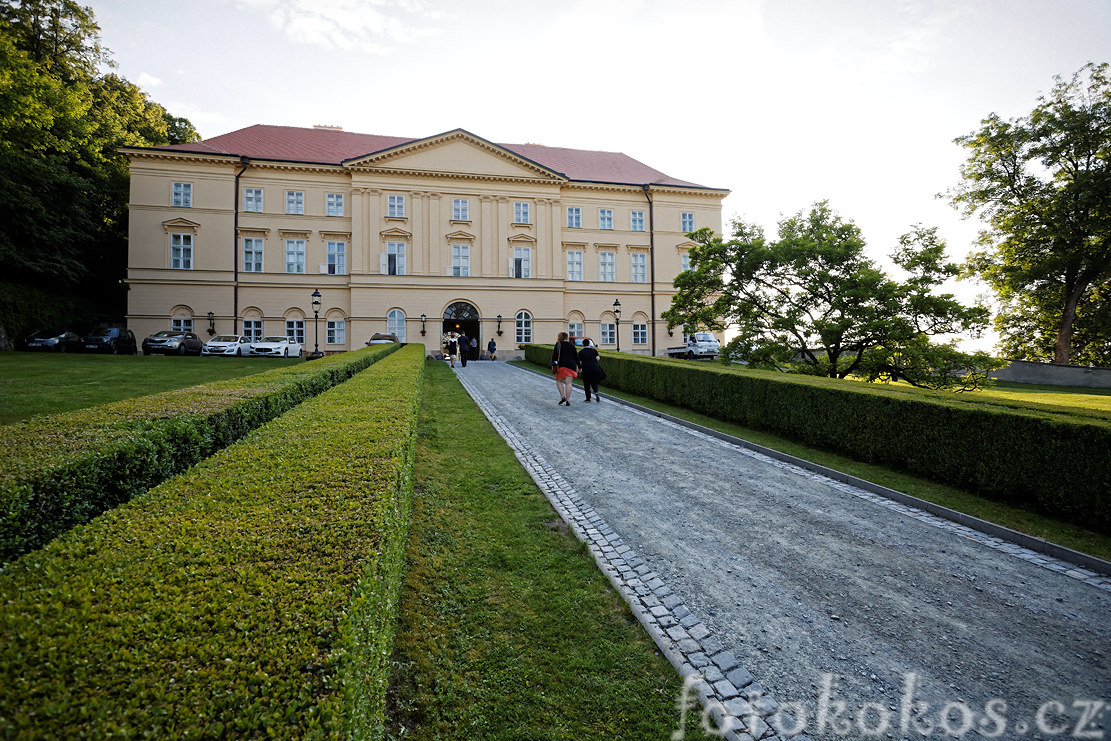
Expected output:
(812, 302)
(1043, 184)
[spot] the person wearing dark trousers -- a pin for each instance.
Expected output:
(464, 348)
(592, 371)
(492, 348)
(565, 365)
(474, 348)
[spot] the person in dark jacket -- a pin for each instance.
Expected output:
(592, 371)
(492, 348)
(464, 348)
(565, 364)
(452, 349)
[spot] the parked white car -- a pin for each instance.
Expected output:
(276, 347)
(227, 344)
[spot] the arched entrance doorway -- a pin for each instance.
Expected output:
(462, 317)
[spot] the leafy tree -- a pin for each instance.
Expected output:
(812, 302)
(1043, 184)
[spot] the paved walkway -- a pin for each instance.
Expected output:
(801, 607)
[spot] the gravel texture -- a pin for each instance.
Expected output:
(847, 617)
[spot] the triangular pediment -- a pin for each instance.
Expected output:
(456, 153)
(461, 235)
(180, 225)
(396, 233)
(523, 238)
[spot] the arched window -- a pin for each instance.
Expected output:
(461, 311)
(524, 327)
(395, 323)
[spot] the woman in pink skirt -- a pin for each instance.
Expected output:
(565, 365)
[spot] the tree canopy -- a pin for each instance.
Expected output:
(1042, 182)
(813, 302)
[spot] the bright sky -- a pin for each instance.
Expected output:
(783, 102)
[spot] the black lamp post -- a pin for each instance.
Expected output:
(211, 323)
(316, 322)
(617, 322)
(499, 325)
(423, 319)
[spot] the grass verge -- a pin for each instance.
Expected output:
(32, 384)
(1055, 531)
(507, 630)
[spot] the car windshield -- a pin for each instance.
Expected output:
(169, 334)
(272, 339)
(225, 338)
(106, 332)
(705, 337)
(50, 333)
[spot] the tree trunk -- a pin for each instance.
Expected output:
(1064, 329)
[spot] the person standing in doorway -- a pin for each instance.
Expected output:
(591, 369)
(474, 348)
(565, 364)
(452, 348)
(464, 348)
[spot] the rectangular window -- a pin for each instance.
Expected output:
(337, 332)
(605, 218)
(460, 209)
(333, 204)
(574, 265)
(252, 329)
(295, 256)
(636, 221)
(295, 330)
(522, 262)
(182, 325)
(252, 200)
(395, 207)
(574, 217)
(685, 262)
(394, 262)
(295, 201)
(183, 195)
(181, 251)
(688, 222)
(252, 255)
(337, 258)
(607, 267)
(521, 213)
(461, 260)
(638, 267)
(640, 334)
(609, 334)
(576, 329)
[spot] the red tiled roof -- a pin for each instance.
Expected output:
(331, 146)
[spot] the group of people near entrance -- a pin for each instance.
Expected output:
(463, 347)
(568, 362)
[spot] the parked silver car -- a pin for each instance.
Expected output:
(171, 342)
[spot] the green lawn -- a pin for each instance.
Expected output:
(45, 383)
(507, 629)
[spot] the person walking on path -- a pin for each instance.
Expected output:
(474, 348)
(565, 363)
(492, 348)
(452, 348)
(464, 348)
(591, 369)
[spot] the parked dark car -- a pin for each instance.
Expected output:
(113, 340)
(172, 342)
(51, 340)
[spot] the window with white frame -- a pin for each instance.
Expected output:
(295, 201)
(460, 260)
(252, 254)
(576, 329)
(295, 330)
(636, 221)
(183, 195)
(523, 335)
(638, 264)
(574, 265)
(252, 200)
(605, 218)
(609, 333)
(460, 209)
(336, 332)
(337, 258)
(574, 217)
(688, 222)
(522, 262)
(394, 259)
(395, 207)
(607, 266)
(685, 261)
(181, 324)
(333, 204)
(640, 334)
(295, 256)
(521, 213)
(395, 323)
(181, 251)
(252, 329)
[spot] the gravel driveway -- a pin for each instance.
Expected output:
(855, 617)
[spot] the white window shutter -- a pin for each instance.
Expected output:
(323, 268)
(382, 263)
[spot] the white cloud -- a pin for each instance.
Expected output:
(369, 26)
(148, 81)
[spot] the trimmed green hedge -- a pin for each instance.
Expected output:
(253, 596)
(62, 470)
(1051, 463)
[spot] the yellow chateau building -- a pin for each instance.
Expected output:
(418, 237)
